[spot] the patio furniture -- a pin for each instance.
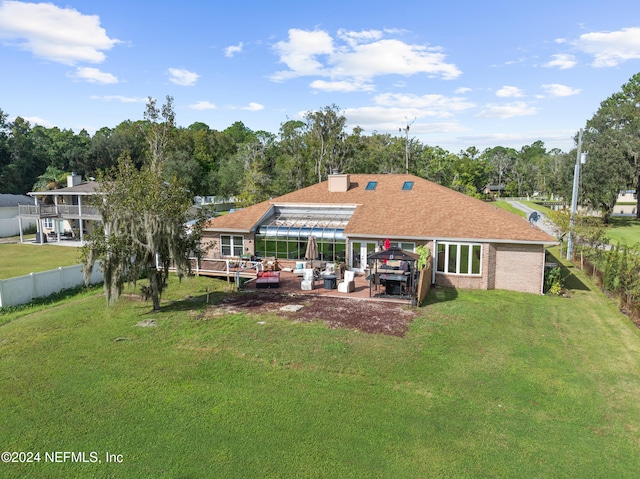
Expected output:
(308, 282)
(329, 281)
(268, 279)
(300, 266)
(349, 283)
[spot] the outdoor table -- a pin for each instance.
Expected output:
(329, 281)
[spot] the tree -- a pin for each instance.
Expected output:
(325, 131)
(501, 160)
(52, 179)
(606, 171)
(618, 119)
(144, 218)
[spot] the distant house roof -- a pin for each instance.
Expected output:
(426, 211)
(490, 188)
(85, 188)
(8, 200)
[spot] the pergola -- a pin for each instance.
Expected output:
(398, 281)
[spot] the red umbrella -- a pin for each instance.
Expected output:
(387, 244)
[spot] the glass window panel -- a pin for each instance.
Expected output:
(441, 257)
(225, 244)
(464, 259)
(453, 258)
(475, 260)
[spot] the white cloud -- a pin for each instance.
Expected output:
(62, 35)
(120, 98)
(356, 58)
(425, 105)
(183, 77)
(563, 61)
(609, 49)
(36, 120)
(94, 75)
(230, 51)
(203, 105)
(556, 89)
(364, 36)
(300, 51)
(509, 92)
(253, 107)
(382, 119)
(341, 86)
(462, 90)
(508, 110)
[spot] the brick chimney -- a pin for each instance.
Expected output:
(338, 183)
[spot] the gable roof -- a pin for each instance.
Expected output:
(9, 200)
(426, 211)
(84, 188)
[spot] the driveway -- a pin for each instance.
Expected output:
(544, 223)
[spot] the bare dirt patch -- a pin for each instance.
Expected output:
(374, 317)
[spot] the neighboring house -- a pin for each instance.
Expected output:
(496, 190)
(9, 210)
(474, 244)
(626, 204)
(63, 213)
(627, 196)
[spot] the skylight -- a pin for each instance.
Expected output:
(371, 185)
(408, 185)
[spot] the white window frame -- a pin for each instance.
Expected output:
(234, 245)
(447, 245)
(47, 223)
(405, 243)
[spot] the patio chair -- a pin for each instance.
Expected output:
(308, 281)
(348, 285)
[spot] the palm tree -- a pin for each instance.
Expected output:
(52, 179)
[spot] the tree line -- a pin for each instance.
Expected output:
(256, 165)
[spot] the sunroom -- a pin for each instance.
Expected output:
(285, 233)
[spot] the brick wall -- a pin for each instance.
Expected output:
(519, 267)
(504, 266)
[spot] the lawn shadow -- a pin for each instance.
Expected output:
(439, 294)
(571, 281)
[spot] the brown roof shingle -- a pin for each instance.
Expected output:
(426, 211)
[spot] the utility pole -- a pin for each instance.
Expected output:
(406, 146)
(580, 158)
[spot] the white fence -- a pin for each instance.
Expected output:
(24, 289)
(11, 226)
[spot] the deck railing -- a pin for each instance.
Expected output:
(63, 211)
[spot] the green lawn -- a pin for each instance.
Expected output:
(507, 206)
(20, 259)
(624, 230)
(485, 384)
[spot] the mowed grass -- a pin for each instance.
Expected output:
(624, 230)
(21, 259)
(485, 384)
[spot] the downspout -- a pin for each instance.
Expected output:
(434, 263)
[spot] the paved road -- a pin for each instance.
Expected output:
(544, 223)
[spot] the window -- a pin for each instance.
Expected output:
(408, 185)
(459, 258)
(231, 245)
(371, 185)
(405, 246)
(47, 222)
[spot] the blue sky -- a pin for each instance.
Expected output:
(462, 73)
